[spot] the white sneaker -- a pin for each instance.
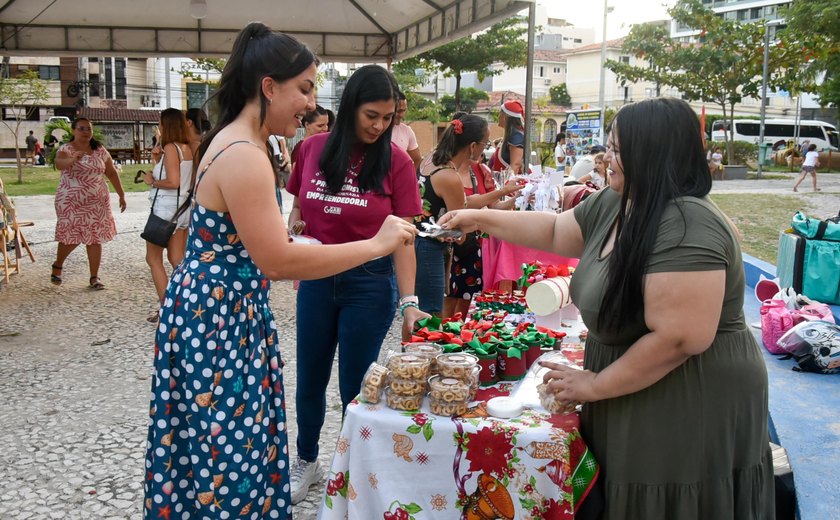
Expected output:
(302, 476)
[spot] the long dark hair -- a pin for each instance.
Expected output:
(368, 84)
(94, 144)
(661, 150)
(199, 120)
(257, 52)
(312, 116)
(452, 142)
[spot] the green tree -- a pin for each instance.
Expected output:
(813, 26)
(420, 108)
(723, 67)
(21, 96)
(411, 73)
(560, 95)
(469, 99)
(503, 43)
(64, 126)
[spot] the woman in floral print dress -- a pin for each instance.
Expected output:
(217, 444)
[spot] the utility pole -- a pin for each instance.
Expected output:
(601, 87)
(529, 86)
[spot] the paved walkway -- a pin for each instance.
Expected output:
(75, 369)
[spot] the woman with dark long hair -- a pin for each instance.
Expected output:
(82, 202)
(674, 386)
(438, 177)
(509, 154)
(217, 445)
(345, 183)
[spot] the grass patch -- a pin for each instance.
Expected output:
(760, 218)
(43, 180)
(752, 176)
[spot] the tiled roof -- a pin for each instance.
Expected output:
(611, 44)
(558, 56)
(112, 115)
(496, 100)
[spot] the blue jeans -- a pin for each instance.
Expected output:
(352, 310)
(430, 281)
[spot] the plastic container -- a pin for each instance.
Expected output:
(403, 402)
(549, 295)
(409, 366)
(447, 409)
(475, 377)
(448, 389)
(552, 404)
(373, 382)
(428, 350)
(407, 386)
(458, 365)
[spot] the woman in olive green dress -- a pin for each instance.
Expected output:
(674, 386)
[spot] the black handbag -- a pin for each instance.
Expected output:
(158, 230)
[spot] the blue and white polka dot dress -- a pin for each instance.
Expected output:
(217, 445)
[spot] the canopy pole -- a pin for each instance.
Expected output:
(529, 86)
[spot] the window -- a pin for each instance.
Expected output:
(197, 94)
(742, 15)
(755, 13)
(624, 59)
(109, 84)
(778, 130)
(93, 85)
(650, 92)
(22, 113)
(557, 70)
(535, 127)
(751, 129)
(549, 131)
(811, 131)
(578, 40)
(120, 90)
(119, 77)
(49, 72)
(541, 72)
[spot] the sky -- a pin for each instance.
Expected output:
(624, 14)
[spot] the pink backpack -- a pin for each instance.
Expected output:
(776, 319)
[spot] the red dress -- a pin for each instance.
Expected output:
(83, 203)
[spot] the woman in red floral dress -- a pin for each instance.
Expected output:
(82, 201)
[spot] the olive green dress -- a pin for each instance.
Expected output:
(693, 446)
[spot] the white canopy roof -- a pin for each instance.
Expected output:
(337, 30)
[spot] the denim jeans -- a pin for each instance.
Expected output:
(353, 311)
(430, 281)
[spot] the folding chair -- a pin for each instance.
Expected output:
(10, 232)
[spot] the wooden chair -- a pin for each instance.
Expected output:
(10, 232)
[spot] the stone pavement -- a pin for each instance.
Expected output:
(75, 369)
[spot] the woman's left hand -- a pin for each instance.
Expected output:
(570, 384)
(148, 178)
(410, 317)
(122, 205)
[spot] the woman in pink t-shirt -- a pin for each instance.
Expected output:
(345, 184)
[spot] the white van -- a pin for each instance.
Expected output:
(820, 133)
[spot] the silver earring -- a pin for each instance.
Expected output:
(269, 101)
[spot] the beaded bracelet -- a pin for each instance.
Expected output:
(405, 306)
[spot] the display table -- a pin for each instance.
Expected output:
(402, 465)
(503, 261)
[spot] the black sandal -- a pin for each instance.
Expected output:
(55, 279)
(95, 284)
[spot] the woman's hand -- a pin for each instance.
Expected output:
(410, 317)
(395, 232)
(297, 227)
(148, 178)
(512, 187)
(570, 384)
(463, 219)
(122, 205)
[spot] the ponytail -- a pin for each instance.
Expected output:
(463, 130)
(257, 52)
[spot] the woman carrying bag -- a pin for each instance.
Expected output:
(171, 181)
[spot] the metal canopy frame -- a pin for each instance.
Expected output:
(337, 30)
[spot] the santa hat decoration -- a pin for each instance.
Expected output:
(514, 108)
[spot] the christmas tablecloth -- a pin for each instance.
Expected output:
(414, 465)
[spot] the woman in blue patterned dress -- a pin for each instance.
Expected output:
(217, 444)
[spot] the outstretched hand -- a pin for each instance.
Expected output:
(462, 219)
(395, 232)
(570, 384)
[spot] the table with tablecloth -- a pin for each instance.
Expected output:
(503, 261)
(415, 465)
